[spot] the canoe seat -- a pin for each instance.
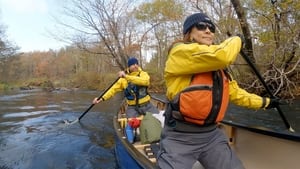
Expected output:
(151, 151)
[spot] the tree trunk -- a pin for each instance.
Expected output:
(248, 48)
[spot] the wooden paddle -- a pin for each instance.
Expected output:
(92, 105)
(267, 89)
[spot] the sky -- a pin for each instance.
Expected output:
(28, 23)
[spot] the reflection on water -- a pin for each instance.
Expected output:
(33, 134)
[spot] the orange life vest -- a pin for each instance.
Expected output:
(205, 100)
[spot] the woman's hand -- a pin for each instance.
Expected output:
(95, 101)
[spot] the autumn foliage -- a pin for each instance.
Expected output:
(116, 30)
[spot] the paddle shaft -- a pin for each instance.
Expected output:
(92, 105)
(267, 89)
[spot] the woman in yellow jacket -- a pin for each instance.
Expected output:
(134, 82)
(199, 89)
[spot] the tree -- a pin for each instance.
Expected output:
(275, 26)
(158, 18)
(6, 47)
(102, 23)
(6, 50)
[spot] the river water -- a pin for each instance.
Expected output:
(269, 119)
(34, 135)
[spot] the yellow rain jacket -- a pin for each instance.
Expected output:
(140, 78)
(185, 60)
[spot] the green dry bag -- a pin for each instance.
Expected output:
(150, 129)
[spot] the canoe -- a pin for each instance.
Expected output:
(136, 155)
(257, 147)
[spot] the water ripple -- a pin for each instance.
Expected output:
(14, 97)
(28, 114)
(26, 107)
(50, 106)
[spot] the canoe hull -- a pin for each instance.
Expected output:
(260, 151)
(124, 159)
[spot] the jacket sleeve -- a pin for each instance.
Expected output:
(143, 79)
(117, 87)
(241, 97)
(195, 58)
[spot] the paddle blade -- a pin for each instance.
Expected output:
(291, 130)
(70, 123)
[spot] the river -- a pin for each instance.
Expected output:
(34, 135)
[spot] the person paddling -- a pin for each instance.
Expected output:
(199, 88)
(134, 82)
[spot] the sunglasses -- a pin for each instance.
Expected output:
(202, 26)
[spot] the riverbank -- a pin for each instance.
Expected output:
(157, 86)
(97, 83)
